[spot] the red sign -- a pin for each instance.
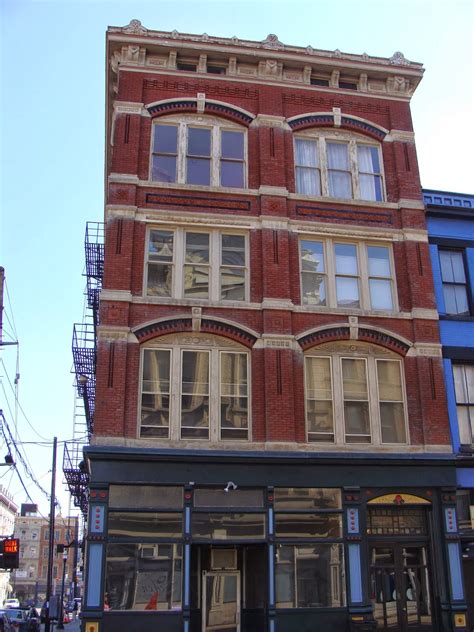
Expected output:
(11, 546)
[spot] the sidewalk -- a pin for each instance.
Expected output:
(74, 626)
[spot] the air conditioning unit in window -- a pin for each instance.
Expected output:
(223, 559)
(149, 551)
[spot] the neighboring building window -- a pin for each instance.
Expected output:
(354, 394)
(453, 276)
(198, 392)
(202, 151)
(209, 265)
(345, 167)
(350, 275)
(464, 389)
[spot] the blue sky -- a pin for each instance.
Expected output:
(52, 141)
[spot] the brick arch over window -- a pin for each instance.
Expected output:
(207, 326)
(216, 108)
(327, 119)
(334, 333)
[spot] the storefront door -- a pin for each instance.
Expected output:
(221, 601)
(400, 587)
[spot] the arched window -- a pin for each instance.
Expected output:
(355, 394)
(195, 386)
(338, 164)
(199, 150)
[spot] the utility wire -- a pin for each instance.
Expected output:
(19, 405)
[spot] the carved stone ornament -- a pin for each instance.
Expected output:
(337, 53)
(235, 40)
(205, 37)
(135, 27)
(272, 41)
(174, 34)
(309, 49)
(399, 59)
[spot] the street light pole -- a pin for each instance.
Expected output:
(60, 625)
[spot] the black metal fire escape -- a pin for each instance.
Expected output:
(84, 345)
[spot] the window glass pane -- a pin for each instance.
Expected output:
(143, 576)
(166, 139)
(392, 421)
(197, 248)
(145, 497)
(231, 526)
(356, 408)
(314, 289)
(312, 256)
(232, 284)
(390, 380)
(306, 153)
(464, 383)
(234, 396)
(160, 246)
(195, 394)
(159, 279)
(308, 181)
(465, 415)
(308, 525)
(233, 250)
(319, 410)
(199, 142)
(318, 378)
(379, 261)
(347, 291)
(370, 187)
(346, 259)
(455, 299)
(368, 159)
(247, 498)
(155, 408)
(232, 174)
(145, 525)
(338, 156)
(198, 171)
(340, 184)
(310, 576)
(196, 282)
(397, 521)
(380, 294)
(307, 498)
(232, 145)
(163, 168)
(452, 266)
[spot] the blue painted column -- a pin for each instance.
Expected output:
(458, 606)
(93, 606)
(186, 598)
(360, 609)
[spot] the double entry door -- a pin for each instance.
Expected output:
(400, 587)
(221, 601)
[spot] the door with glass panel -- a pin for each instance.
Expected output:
(221, 601)
(400, 587)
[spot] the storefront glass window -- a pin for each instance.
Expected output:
(230, 526)
(295, 498)
(145, 525)
(145, 497)
(143, 577)
(308, 525)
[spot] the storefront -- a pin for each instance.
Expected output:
(206, 542)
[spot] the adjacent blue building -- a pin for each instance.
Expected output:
(450, 221)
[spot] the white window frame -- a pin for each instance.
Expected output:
(363, 277)
(215, 265)
(337, 353)
(215, 347)
(321, 137)
(216, 126)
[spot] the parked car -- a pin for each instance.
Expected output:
(2, 621)
(11, 603)
(21, 620)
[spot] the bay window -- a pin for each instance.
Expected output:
(354, 394)
(200, 392)
(209, 265)
(198, 150)
(338, 166)
(346, 275)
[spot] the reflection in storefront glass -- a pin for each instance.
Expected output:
(143, 577)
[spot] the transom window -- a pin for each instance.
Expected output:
(453, 276)
(354, 394)
(464, 389)
(339, 167)
(343, 274)
(195, 264)
(195, 388)
(198, 150)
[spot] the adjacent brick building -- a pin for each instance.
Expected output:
(270, 440)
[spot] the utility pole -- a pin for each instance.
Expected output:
(47, 625)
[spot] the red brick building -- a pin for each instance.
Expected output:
(270, 447)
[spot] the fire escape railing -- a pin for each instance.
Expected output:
(84, 346)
